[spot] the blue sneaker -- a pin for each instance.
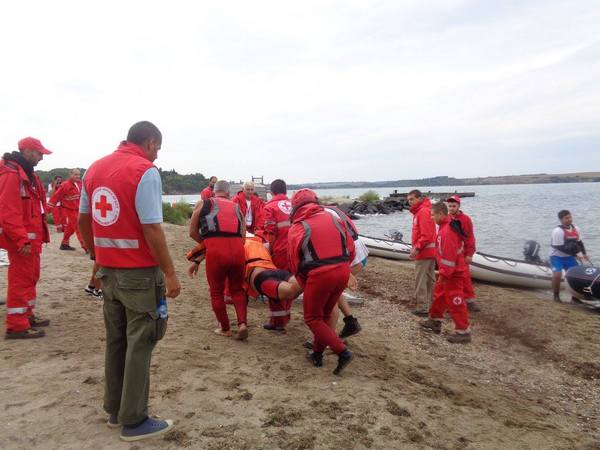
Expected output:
(147, 429)
(113, 421)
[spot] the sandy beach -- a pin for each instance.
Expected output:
(529, 380)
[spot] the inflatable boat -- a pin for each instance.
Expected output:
(484, 267)
(584, 284)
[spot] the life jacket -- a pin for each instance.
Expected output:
(326, 247)
(257, 255)
(572, 238)
(345, 220)
(220, 217)
(111, 184)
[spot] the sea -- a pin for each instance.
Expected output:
(504, 216)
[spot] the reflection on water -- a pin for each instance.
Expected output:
(504, 216)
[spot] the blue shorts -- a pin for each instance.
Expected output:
(560, 263)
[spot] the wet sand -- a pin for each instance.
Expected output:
(529, 380)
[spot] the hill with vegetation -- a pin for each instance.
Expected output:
(173, 182)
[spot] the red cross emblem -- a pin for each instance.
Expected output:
(103, 206)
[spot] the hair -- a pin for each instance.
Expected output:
(75, 169)
(222, 186)
(142, 132)
(563, 213)
(278, 187)
(248, 184)
(440, 207)
(56, 177)
(417, 193)
(213, 176)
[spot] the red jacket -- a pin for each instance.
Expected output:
(22, 209)
(322, 248)
(206, 193)
(449, 253)
(256, 205)
(111, 185)
(466, 225)
(276, 226)
(423, 230)
(68, 195)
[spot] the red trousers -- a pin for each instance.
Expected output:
(23, 275)
(323, 288)
(448, 295)
(280, 309)
(225, 262)
(72, 227)
(468, 285)
(59, 218)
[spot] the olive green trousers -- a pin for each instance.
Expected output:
(133, 327)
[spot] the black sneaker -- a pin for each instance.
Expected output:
(420, 312)
(315, 358)
(89, 289)
(351, 327)
(308, 345)
(344, 359)
(556, 298)
(98, 294)
(271, 327)
(66, 247)
(32, 333)
(433, 326)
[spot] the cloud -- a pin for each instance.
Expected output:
(309, 91)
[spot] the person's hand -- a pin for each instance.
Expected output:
(25, 250)
(413, 253)
(193, 269)
(468, 259)
(173, 287)
(353, 282)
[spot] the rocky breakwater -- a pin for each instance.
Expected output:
(358, 208)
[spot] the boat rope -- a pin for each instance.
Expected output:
(588, 289)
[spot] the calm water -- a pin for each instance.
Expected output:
(504, 216)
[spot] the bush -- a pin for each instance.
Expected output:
(50, 219)
(178, 213)
(369, 196)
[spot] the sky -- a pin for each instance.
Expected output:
(309, 91)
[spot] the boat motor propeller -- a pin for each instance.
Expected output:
(531, 252)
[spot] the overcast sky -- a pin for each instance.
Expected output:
(309, 90)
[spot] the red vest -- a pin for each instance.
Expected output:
(111, 184)
(220, 217)
(571, 234)
(324, 242)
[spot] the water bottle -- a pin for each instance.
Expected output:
(162, 309)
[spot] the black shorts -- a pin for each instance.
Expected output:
(267, 282)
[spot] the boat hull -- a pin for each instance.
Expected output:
(489, 268)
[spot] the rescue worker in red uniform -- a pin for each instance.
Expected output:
(68, 195)
(120, 220)
(57, 212)
(277, 224)
(208, 192)
(321, 250)
(23, 230)
(261, 276)
(423, 250)
(468, 237)
(449, 288)
(219, 224)
(251, 207)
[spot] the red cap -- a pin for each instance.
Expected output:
(30, 143)
(302, 197)
(454, 198)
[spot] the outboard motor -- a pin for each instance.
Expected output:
(531, 252)
(395, 235)
(583, 283)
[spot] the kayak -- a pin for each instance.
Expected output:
(484, 267)
(584, 283)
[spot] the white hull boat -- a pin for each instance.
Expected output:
(490, 268)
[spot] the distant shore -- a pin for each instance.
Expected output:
(543, 178)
